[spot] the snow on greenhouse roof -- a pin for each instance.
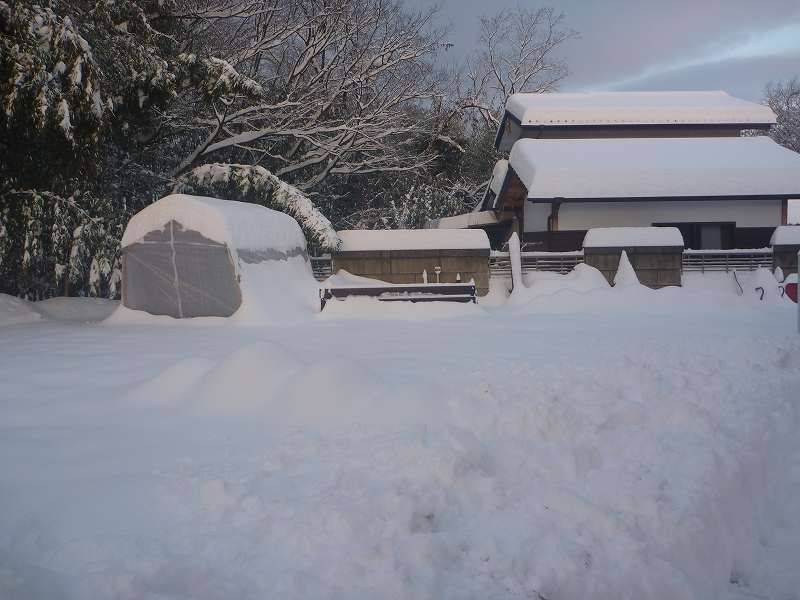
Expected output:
(627, 237)
(240, 225)
(636, 108)
(656, 168)
(413, 239)
(786, 235)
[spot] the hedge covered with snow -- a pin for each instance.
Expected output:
(257, 185)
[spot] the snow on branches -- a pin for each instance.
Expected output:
(344, 86)
(52, 82)
(216, 77)
(255, 184)
(784, 98)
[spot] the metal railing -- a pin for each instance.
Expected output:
(726, 260)
(321, 266)
(555, 262)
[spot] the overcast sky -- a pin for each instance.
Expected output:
(733, 45)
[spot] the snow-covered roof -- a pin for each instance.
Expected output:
(656, 167)
(636, 108)
(786, 235)
(239, 225)
(629, 237)
(357, 240)
(464, 221)
(498, 175)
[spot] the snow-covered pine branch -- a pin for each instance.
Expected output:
(252, 183)
(52, 77)
(216, 77)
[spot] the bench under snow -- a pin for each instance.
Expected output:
(413, 292)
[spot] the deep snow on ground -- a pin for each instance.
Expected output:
(582, 442)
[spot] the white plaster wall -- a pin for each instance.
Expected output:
(585, 215)
(535, 216)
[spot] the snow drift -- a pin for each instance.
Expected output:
(190, 256)
(15, 311)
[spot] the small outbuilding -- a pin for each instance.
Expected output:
(654, 253)
(405, 256)
(785, 244)
(191, 256)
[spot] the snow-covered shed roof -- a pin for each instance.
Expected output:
(636, 108)
(786, 235)
(357, 240)
(239, 225)
(630, 237)
(656, 168)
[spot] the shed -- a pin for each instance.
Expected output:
(402, 255)
(655, 253)
(785, 244)
(191, 256)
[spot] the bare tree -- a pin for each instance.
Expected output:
(344, 83)
(784, 99)
(517, 53)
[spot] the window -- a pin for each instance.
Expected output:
(705, 236)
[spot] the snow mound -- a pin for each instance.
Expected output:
(246, 380)
(277, 292)
(270, 383)
(626, 275)
(344, 278)
(15, 311)
(84, 310)
(786, 235)
(581, 280)
(172, 383)
(761, 279)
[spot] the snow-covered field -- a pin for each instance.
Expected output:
(579, 443)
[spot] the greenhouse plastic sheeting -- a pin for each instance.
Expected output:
(180, 273)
